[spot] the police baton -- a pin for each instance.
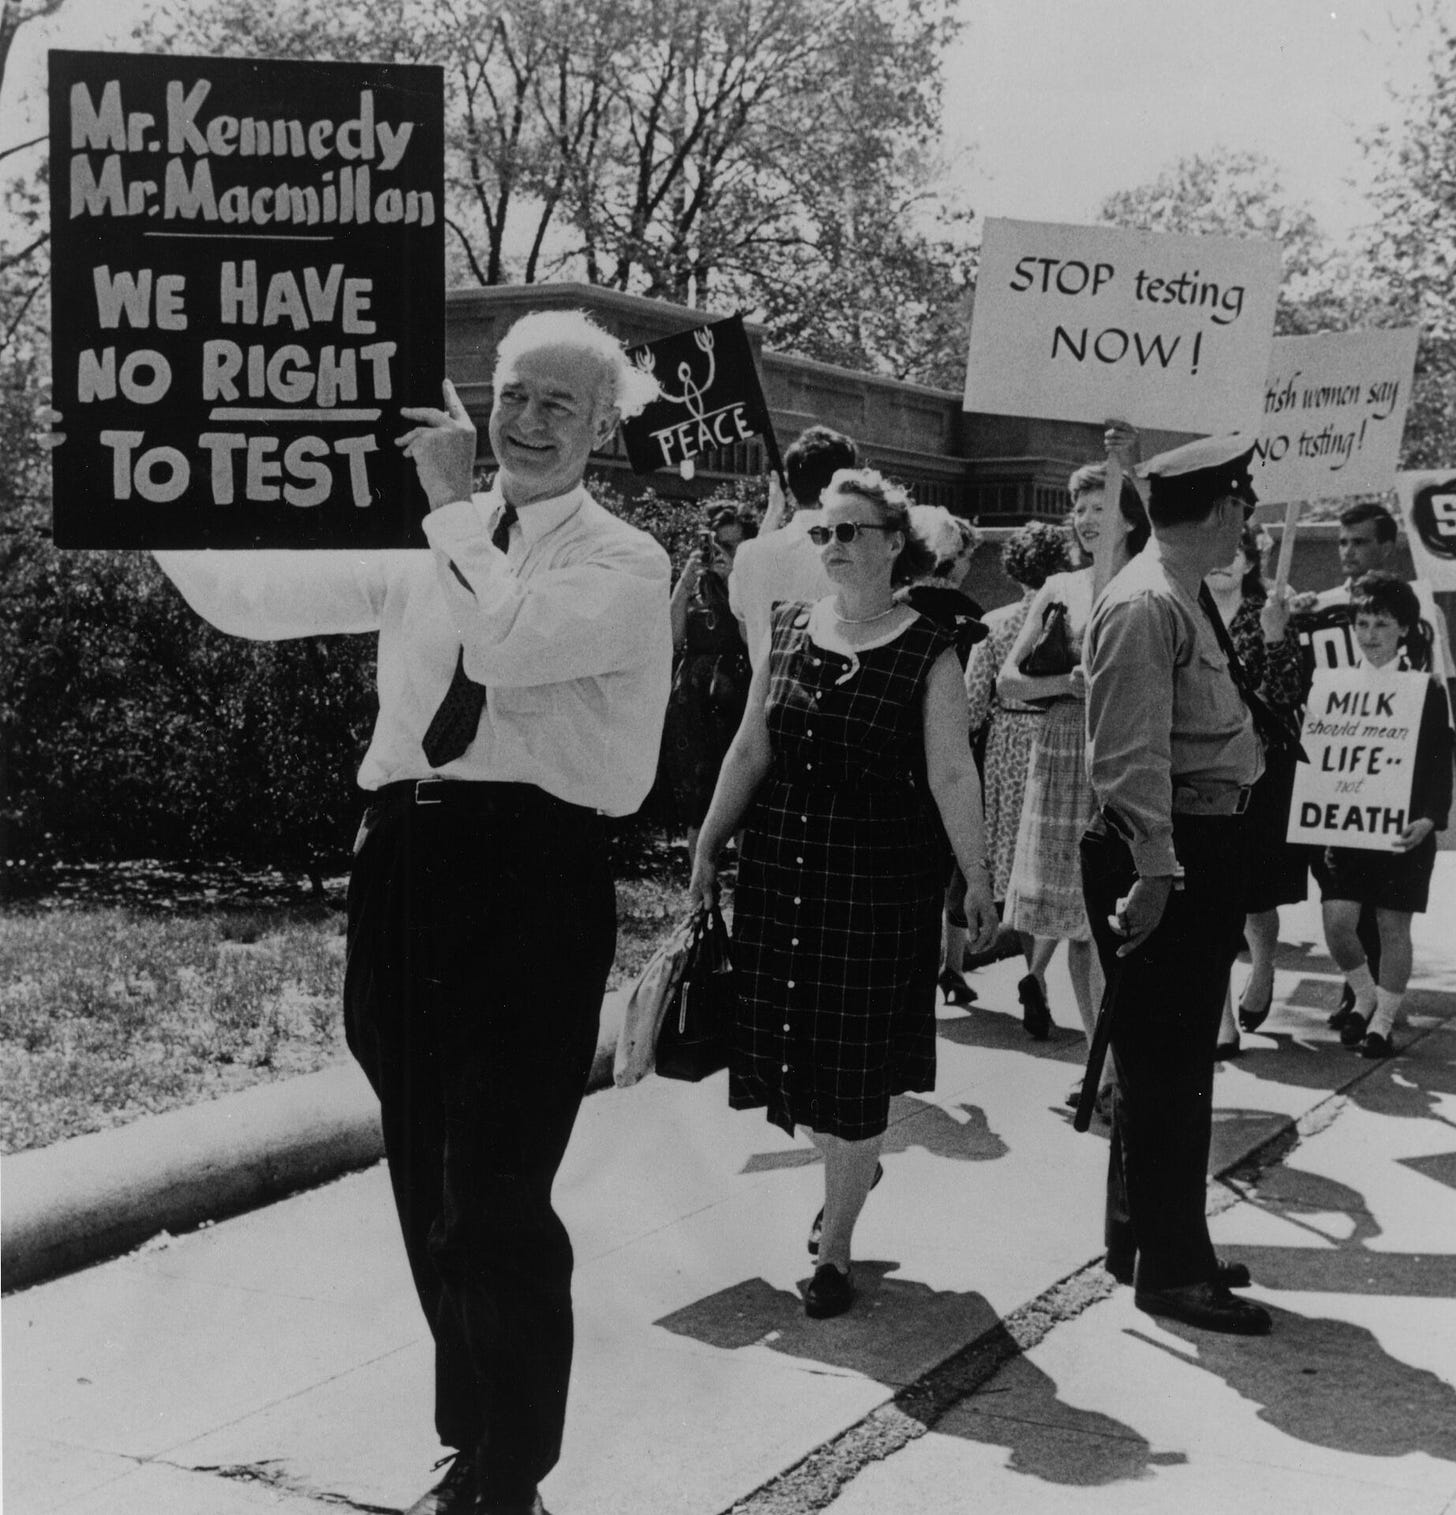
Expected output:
(1097, 1053)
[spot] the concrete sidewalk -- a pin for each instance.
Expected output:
(277, 1361)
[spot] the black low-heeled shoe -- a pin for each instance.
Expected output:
(1227, 1051)
(1343, 1010)
(956, 990)
(830, 1293)
(1352, 1033)
(1251, 1020)
(1376, 1045)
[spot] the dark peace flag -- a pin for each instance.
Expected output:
(247, 283)
(711, 398)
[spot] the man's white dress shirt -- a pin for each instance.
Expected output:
(567, 629)
(784, 565)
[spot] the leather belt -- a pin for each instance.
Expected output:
(1211, 799)
(504, 798)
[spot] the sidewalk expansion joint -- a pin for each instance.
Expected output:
(1229, 1183)
(816, 1481)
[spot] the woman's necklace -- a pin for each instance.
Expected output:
(863, 620)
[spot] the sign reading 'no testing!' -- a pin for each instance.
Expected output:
(247, 284)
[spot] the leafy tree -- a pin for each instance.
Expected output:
(1411, 247)
(764, 153)
(1240, 194)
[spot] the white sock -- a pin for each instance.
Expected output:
(1387, 1008)
(1363, 985)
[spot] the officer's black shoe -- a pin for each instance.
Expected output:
(1227, 1275)
(457, 1493)
(1206, 1306)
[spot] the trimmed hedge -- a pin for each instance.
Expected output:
(130, 728)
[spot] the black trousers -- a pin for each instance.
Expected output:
(1169, 998)
(481, 932)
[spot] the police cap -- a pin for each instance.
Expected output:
(1189, 479)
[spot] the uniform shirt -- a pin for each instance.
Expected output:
(568, 629)
(1162, 708)
(784, 565)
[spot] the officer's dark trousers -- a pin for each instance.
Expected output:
(1169, 997)
(481, 932)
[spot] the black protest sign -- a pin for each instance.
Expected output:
(247, 283)
(711, 397)
(1432, 516)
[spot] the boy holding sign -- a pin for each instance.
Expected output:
(1395, 880)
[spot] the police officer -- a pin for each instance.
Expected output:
(1174, 753)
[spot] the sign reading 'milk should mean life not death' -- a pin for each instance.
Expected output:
(247, 285)
(1361, 731)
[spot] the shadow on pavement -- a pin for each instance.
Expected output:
(913, 1124)
(1019, 1409)
(894, 1331)
(1340, 1258)
(1330, 1383)
(979, 1027)
(1415, 1084)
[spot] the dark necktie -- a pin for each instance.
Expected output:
(452, 728)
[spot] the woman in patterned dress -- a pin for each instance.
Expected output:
(1258, 626)
(1044, 894)
(849, 773)
(1029, 556)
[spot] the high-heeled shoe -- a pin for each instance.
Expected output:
(1036, 1016)
(1251, 1020)
(956, 990)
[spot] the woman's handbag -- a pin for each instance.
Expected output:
(1052, 652)
(692, 1042)
(646, 1005)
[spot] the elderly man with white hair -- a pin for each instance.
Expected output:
(524, 664)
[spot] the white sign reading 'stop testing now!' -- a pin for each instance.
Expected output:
(1086, 323)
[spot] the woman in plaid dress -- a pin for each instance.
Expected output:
(850, 771)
